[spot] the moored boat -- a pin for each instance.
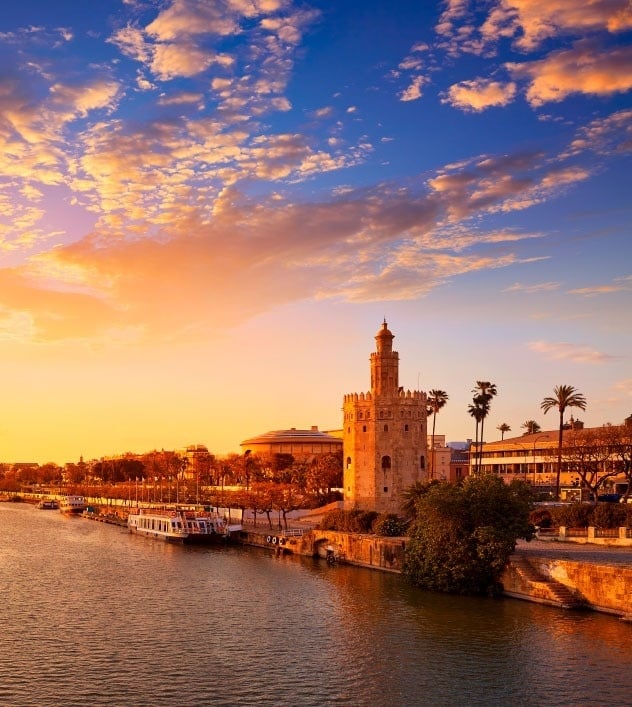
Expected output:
(180, 525)
(73, 504)
(48, 504)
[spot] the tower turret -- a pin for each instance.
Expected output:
(384, 365)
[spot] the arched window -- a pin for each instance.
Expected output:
(363, 428)
(422, 462)
(348, 462)
(405, 428)
(385, 428)
(386, 463)
(359, 416)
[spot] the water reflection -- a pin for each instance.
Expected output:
(92, 615)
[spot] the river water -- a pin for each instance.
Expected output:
(91, 615)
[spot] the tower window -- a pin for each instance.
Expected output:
(359, 416)
(348, 462)
(422, 462)
(405, 428)
(386, 463)
(385, 428)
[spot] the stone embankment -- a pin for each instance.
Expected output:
(556, 571)
(571, 576)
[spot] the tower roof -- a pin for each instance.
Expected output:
(384, 332)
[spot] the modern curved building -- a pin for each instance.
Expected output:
(301, 444)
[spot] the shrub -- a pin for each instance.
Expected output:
(608, 515)
(389, 525)
(577, 515)
(348, 521)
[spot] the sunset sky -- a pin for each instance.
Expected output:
(207, 209)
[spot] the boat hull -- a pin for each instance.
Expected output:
(73, 504)
(179, 526)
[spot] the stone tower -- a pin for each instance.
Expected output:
(385, 437)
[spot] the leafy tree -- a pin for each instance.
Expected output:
(619, 441)
(564, 396)
(324, 474)
(587, 454)
(464, 534)
(502, 428)
(436, 400)
(531, 427)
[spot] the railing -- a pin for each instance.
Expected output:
(607, 532)
(293, 533)
(576, 532)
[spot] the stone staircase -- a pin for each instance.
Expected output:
(549, 590)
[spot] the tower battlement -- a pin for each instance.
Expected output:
(384, 435)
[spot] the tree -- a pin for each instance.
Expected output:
(531, 427)
(619, 441)
(463, 535)
(411, 496)
(502, 428)
(476, 410)
(436, 400)
(587, 453)
(564, 396)
(484, 391)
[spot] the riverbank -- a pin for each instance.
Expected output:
(568, 575)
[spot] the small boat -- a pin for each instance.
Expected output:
(180, 525)
(73, 504)
(48, 504)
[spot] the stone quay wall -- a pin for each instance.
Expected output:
(385, 554)
(589, 583)
(597, 586)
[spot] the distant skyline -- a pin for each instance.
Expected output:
(207, 209)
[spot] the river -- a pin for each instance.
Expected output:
(91, 615)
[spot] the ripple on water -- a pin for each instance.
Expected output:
(92, 615)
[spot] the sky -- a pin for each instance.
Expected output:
(209, 207)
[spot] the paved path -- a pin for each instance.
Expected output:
(578, 552)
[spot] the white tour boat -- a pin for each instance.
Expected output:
(184, 525)
(73, 504)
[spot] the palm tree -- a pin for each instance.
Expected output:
(564, 396)
(476, 410)
(411, 496)
(504, 427)
(436, 400)
(485, 391)
(531, 427)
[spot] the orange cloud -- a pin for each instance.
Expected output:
(479, 94)
(581, 69)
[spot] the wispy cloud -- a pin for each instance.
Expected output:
(569, 352)
(533, 289)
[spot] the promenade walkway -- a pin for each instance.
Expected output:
(578, 552)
